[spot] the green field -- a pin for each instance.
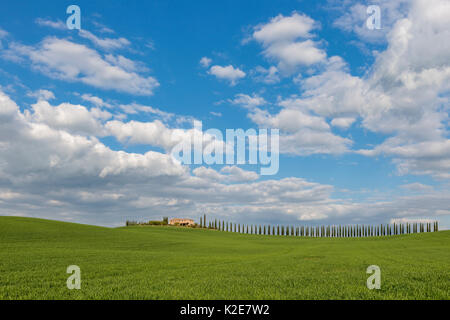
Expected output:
(182, 263)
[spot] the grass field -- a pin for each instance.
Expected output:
(180, 263)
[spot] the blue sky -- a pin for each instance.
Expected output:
(363, 114)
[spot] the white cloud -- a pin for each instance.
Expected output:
(74, 119)
(236, 174)
(153, 133)
(102, 28)
(268, 76)
(45, 134)
(301, 133)
(247, 101)
(284, 29)
(106, 43)
(343, 123)
(405, 96)
(96, 101)
(205, 62)
(74, 176)
(3, 33)
(42, 94)
(227, 73)
(58, 24)
(227, 174)
(126, 64)
(354, 16)
(66, 60)
(281, 41)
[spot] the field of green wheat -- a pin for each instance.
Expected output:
(164, 262)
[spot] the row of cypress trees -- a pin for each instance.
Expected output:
(334, 231)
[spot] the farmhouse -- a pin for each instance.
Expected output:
(181, 222)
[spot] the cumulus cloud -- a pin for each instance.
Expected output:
(287, 40)
(56, 138)
(247, 101)
(301, 132)
(73, 176)
(69, 61)
(75, 119)
(354, 17)
(229, 73)
(404, 96)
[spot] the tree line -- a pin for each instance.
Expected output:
(334, 231)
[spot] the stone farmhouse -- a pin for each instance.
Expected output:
(181, 222)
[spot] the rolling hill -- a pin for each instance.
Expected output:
(182, 263)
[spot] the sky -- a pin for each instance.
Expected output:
(89, 116)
